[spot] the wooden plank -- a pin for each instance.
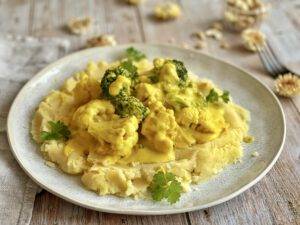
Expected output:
(122, 21)
(109, 17)
(162, 32)
(46, 18)
(14, 16)
(49, 209)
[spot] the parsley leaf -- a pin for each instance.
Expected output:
(165, 185)
(181, 70)
(154, 79)
(132, 69)
(58, 131)
(128, 65)
(134, 54)
(174, 191)
(225, 96)
(214, 97)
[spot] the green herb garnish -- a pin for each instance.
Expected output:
(225, 96)
(154, 79)
(125, 69)
(128, 65)
(181, 70)
(214, 97)
(58, 131)
(134, 54)
(165, 185)
(127, 105)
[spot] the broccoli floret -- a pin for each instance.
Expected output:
(181, 70)
(154, 79)
(126, 69)
(134, 54)
(128, 65)
(109, 77)
(127, 105)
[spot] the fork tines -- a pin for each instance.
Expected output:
(270, 61)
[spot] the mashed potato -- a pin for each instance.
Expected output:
(182, 132)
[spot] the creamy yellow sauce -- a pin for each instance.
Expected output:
(182, 133)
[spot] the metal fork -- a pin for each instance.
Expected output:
(270, 61)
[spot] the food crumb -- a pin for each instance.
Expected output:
(242, 14)
(79, 26)
(101, 40)
(214, 33)
(248, 139)
(217, 26)
(253, 39)
(200, 45)
(134, 2)
(167, 11)
(185, 45)
(239, 161)
(224, 44)
(127, 17)
(50, 164)
(171, 40)
(135, 163)
(254, 154)
(200, 35)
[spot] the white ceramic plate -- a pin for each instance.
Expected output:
(267, 126)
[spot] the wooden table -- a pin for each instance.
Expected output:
(274, 200)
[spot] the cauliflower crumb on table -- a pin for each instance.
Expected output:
(167, 11)
(101, 40)
(253, 39)
(134, 2)
(80, 26)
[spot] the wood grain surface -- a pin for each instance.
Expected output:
(274, 200)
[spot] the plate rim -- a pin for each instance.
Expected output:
(136, 211)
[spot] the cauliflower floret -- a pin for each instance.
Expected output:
(147, 92)
(79, 25)
(102, 40)
(120, 83)
(253, 39)
(116, 135)
(92, 112)
(158, 62)
(168, 73)
(210, 124)
(96, 70)
(82, 87)
(167, 11)
(187, 116)
(121, 134)
(204, 124)
(160, 127)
